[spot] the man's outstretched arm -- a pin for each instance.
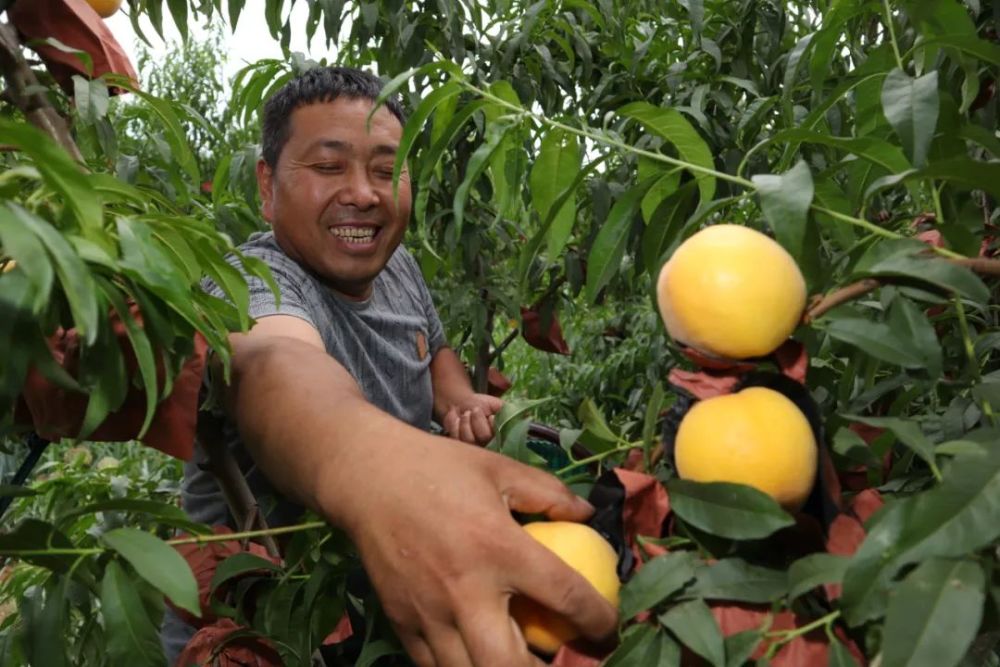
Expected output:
(464, 414)
(429, 515)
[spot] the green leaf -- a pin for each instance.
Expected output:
(59, 170)
(513, 409)
(795, 56)
(906, 431)
(658, 579)
(815, 570)
(590, 415)
(651, 420)
(692, 622)
(437, 150)
(875, 338)
(158, 563)
(734, 511)
(27, 249)
(553, 173)
(785, 200)
(239, 564)
(45, 627)
(908, 322)
(664, 227)
(175, 135)
(911, 107)
(964, 172)
(665, 185)
(735, 579)
(36, 535)
(608, 249)
(645, 646)
(934, 615)
(495, 135)
(873, 149)
(675, 128)
(909, 258)
(141, 348)
(970, 44)
(163, 512)
(740, 646)
(840, 655)
(179, 12)
(132, 638)
(414, 125)
(15, 491)
(955, 518)
(74, 278)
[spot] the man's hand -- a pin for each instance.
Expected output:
(472, 419)
(445, 556)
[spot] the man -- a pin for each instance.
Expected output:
(333, 390)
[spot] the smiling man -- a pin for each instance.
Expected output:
(334, 389)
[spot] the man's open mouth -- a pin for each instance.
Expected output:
(355, 234)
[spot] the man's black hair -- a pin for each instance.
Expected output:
(319, 84)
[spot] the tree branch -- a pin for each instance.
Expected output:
(24, 91)
(240, 499)
(498, 350)
(822, 304)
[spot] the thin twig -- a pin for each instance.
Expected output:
(838, 297)
(821, 305)
(983, 265)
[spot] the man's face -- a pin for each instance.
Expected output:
(329, 198)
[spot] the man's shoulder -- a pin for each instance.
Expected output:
(403, 264)
(263, 246)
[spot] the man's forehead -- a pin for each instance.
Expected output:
(344, 112)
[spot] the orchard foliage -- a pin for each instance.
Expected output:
(560, 151)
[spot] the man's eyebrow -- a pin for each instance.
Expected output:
(335, 144)
(385, 149)
(346, 146)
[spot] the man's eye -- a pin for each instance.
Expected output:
(328, 167)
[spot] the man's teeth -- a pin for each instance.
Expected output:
(354, 234)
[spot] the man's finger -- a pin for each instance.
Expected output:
(448, 646)
(451, 423)
(417, 649)
(493, 404)
(532, 491)
(493, 637)
(481, 429)
(552, 583)
(465, 429)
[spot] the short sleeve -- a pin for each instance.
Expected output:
(287, 275)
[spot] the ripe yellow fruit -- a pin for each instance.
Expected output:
(732, 292)
(583, 549)
(105, 8)
(756, 437)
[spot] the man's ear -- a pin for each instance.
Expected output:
(265, 181)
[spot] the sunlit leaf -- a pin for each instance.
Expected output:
(728, 510)
(158, 563)
(672, 126)
(911, 106)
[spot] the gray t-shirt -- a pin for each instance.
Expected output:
(385, 342)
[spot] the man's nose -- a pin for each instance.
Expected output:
(357, 189)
